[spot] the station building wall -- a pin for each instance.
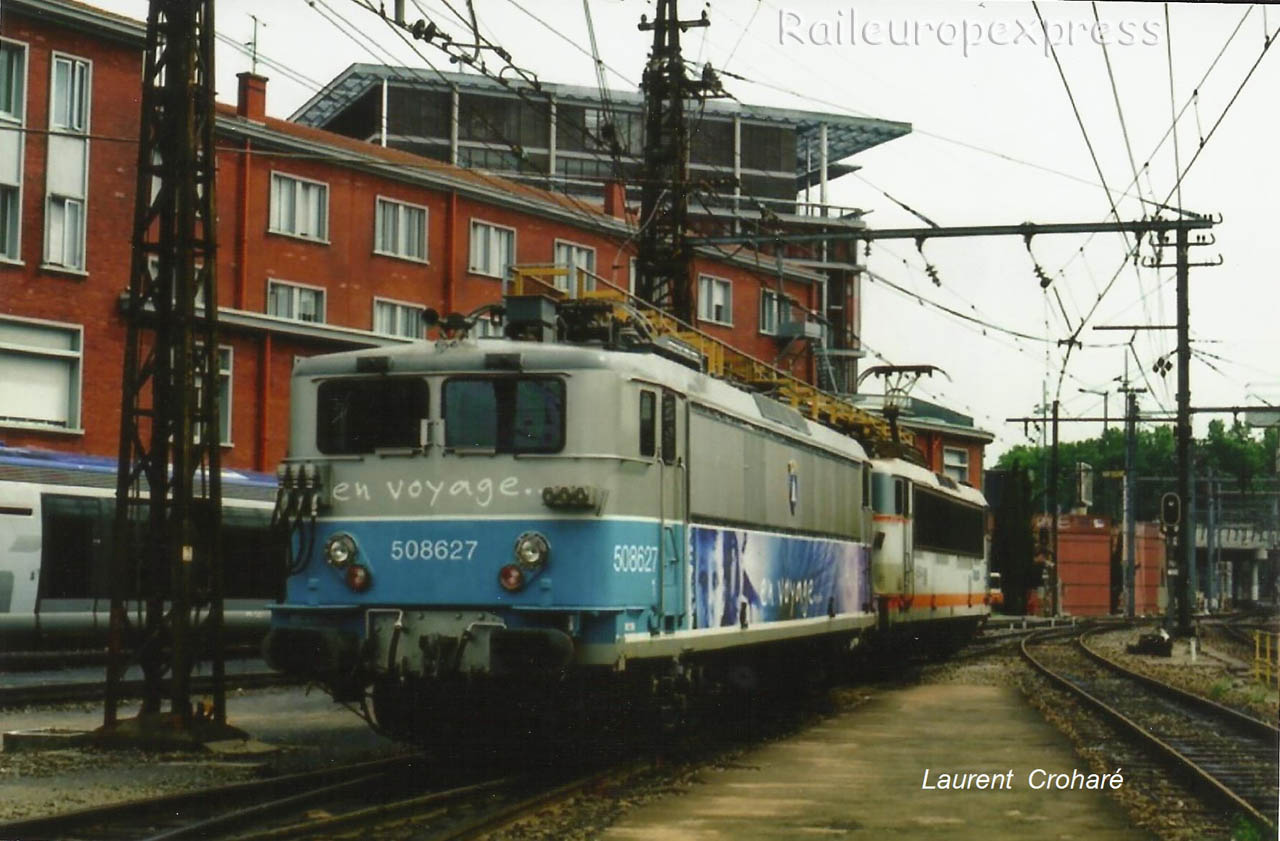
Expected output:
(66, 320)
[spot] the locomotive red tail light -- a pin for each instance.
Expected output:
(359, 578)
(511, 577)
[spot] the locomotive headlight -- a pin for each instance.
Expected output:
(340, 549)
(532, 550)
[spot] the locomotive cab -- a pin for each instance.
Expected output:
(929, 553)
(477, 509)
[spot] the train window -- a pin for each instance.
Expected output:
(900, 497)
(504, 414)
(866, 486)
(648, 422)
(948, 525)
(355, 416)
(668, 428)
(75, 553)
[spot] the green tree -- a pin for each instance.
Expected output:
(1238, 452)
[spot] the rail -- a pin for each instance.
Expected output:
(561, 282)
(1235, 766)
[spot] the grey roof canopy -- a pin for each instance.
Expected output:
(846, 135)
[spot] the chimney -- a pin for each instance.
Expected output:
(615, 199)
(251, 102)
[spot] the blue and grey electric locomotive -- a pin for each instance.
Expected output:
(472, 518)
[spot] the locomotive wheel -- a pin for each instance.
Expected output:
(391, 709)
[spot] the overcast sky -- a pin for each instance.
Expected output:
(995, 141)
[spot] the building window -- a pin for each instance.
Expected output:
(40, 365)
(69, 95)
(487, 327)
(493, 249)
(10, 202)
(13, 107)
(401, 230)
(955, 463)
(633, 275)
(64, 232)
(715, 300)
(224, 394)
(153, 268)
(774, 311)
(572, 256)
(299, 208)
(68, 165)
(290, 300)
(13, 81)
(394, 318)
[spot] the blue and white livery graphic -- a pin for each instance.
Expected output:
(774, 577)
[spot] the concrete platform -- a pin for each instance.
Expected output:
(860, 775)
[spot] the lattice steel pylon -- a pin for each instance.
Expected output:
(664, 256)
(167, 538)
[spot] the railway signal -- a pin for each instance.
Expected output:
(1170, 511)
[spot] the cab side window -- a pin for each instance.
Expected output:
(648, 422)
(901, 498)
(668, 428)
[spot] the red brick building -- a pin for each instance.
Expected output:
(69, 91)
(326, 242)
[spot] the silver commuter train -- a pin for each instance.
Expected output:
(470, 517)
(56, 520)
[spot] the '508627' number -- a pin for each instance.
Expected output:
(433, 550)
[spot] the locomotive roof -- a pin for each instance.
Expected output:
(479, 355)
(924, 476)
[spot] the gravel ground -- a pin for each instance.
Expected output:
(291, 730)
(1216, 677)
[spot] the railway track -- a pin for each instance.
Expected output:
(29, 694)
(1228, 756)
(212, 812)
(455, 814)
(369, 798)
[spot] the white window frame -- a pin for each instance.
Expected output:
(75, 374)
(69, 255)
(949, 465)
(771, 302)
(401, 307)
(274, 225)
(485, 328)
(225, 383)
(576, 249)
(485, 270)
(706, 302)
(70, 251)
(400, 206)
(15, 121)
(293, 304)
(87, 82)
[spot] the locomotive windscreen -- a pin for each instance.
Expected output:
(504, 414)
(357, 416)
